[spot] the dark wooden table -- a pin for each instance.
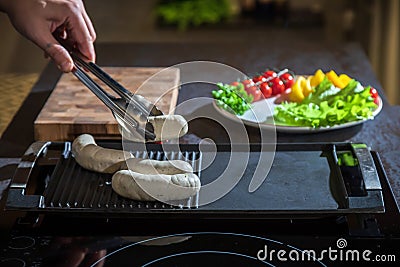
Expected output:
(381, 134)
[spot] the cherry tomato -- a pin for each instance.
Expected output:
(270, 73)
(266, 90)
(259, 78)
(253, 90)
(277, 86)
(374, 94)
(247, 83)
(236, 83)
(287, 80)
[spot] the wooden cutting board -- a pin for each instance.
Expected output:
(72, 109)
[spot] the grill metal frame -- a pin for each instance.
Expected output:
(66, 188)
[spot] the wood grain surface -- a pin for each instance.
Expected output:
(72, 109)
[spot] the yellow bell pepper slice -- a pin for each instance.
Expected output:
(345, 79)
(317, 78)
(296, 93)
(332, 76)
(306, 86)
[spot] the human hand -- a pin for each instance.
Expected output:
(43, 20)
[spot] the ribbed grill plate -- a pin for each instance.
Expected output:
(72, 187)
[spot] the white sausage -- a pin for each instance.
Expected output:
(146, 187)
(149, 166)
(166, 127)
(95, 158)
(146, 180)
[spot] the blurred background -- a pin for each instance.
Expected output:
(374, 24)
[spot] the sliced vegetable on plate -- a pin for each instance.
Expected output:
(232, 97)
(321, 101)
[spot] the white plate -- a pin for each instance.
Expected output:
(261, 115)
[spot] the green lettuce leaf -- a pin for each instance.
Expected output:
(328, 106)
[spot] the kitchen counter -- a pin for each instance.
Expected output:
(382, 134)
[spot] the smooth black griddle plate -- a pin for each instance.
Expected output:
(302, 181)
(297, 181)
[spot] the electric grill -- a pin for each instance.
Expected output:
(308, 197)
(305, 179)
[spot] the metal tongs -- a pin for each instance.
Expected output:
(130, 110)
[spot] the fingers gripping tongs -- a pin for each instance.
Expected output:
(130, 110)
